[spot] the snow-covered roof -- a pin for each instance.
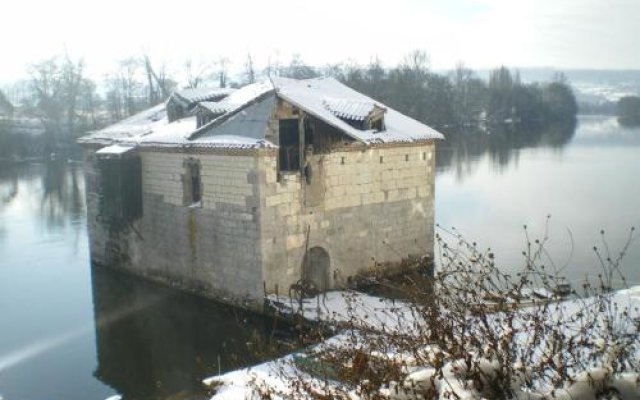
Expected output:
(214, 107)
(312, 95)
(244, 96)
(245, 113)
(347, 109)
(195, 95)
(250, 123)
(116, 150)
(175, 132)
(134, 126)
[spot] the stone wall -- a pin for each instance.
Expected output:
(211, 247)
(366, 207)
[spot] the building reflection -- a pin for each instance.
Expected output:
(157, 343)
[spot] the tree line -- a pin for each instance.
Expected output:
(628, 110)
(460, 98)
(68, 102)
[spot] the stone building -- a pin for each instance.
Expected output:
(233, 193)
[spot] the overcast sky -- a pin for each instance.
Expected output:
(482, 33)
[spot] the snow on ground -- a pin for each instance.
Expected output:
(346, 306)
(343, 306)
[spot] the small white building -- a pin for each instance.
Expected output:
(234, 193)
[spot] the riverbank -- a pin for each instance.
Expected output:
(282, 377)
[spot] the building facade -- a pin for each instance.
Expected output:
(275, 185)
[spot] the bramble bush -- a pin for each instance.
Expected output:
(472, 331)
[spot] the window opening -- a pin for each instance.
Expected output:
(121, 188)
(289, 152)
(193, 182)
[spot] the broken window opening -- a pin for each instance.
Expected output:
(325, 137)
(309, 132)
(174, 111)
(193, 182)
(377, 124)
(289, 152)
(121, 196)
(356, 123)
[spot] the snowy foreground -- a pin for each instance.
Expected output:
(282, 378)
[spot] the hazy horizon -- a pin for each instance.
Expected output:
(576, 34)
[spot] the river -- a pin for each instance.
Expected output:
(68, 331)
(573, 183)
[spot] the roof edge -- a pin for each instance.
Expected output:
(318, 116)
(226, 116)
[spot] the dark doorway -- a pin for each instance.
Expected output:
(121, 195)
(289, 153)
(315, 268)
(192, 182)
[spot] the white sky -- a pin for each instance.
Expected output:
(482, 33)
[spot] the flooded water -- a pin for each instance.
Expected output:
(587, 179)
(68, 331)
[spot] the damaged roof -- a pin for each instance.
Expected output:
(130, 128)
(191, 96)
(242, 117)
(349, 109)
(311, 95)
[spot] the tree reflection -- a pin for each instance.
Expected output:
(62, 194)
(8, 185)
(503, 143)
(54, 191)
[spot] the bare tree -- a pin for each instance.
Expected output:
(125, 89)
(249, 69)
(5, 105)
(159, 85)
(56, 85)
(88, 105)
(71, 83)
(223, 65)
(273, 66)
(298, 69)
(152, 93)
(114, 97)
(197, 72)
(129, 83)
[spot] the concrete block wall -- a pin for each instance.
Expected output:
(376, 208)
(211, 248)
(366, 207)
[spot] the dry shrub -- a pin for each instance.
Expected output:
(477, 332)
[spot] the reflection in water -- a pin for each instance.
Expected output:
(490, 186)
(63, 195)
(36, 349)
(158, 343)
(502, 143)
(54, 190)
(606, 132)
(155, 343)
(143, 341)
(60, 192)
(45, 300)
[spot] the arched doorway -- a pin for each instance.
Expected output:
(315, 268)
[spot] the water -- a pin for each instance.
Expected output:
(71, 332)
(588, 180)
